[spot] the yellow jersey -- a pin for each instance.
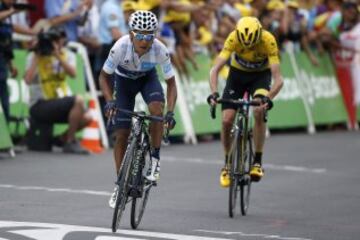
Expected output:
(255, 59)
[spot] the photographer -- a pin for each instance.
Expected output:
(6, 48)
(46, 71)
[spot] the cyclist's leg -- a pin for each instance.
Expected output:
(259, 88)
(153, 95)
(234, 89)
(125, 93)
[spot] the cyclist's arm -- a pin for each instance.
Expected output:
(221, 60)
(171, 93)
(105, 86)
(214, 72)
(278, 81)
(108, 69)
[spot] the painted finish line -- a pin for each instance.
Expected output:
(45, 231)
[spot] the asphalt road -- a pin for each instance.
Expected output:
(311, 190)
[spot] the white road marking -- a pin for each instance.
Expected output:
(263, 236)
(266, 166)
(65, 190)
(46, 231)
(117, 238)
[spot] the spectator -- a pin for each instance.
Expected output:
(34, 16)
(6, 49)
(66, 13)
(111, 27)
(294, 29)
(46, 71)
(178, 16)
(87, 35)
(128, 8)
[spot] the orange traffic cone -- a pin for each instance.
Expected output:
(91, 133)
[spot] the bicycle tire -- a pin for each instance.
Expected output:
(122, 193)
(245, 183)
(233, 188)
(138, 204)
(137, 214)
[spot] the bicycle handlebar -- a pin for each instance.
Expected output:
(138, 115)
(142, 115)
(239, 103)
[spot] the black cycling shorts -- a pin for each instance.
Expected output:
(52, 111)
(239, 82)
(126, 90)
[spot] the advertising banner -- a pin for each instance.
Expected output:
(321, 89)
(288, 108)
(196, 91)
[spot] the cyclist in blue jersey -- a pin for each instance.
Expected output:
(131, 68)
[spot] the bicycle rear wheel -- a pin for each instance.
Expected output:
(138, 204)
(233, 189)
(245, 181)
(123, 179)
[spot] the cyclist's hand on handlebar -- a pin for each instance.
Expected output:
(170, 121)
(110, 108)
(267, 102)
(212, 98)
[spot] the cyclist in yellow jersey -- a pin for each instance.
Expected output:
(254, 59)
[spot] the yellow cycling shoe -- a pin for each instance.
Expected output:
(225, 178)
(256, 172)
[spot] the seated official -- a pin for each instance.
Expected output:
(46, 70)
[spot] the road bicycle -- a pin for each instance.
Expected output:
(132, 185)
(241, 153)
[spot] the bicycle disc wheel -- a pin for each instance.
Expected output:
(233, 189)
(245, 182)
(123, 182)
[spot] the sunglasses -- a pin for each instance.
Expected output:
(146, 37)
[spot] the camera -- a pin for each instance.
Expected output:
(45, 46)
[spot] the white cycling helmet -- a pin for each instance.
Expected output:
(143, 21)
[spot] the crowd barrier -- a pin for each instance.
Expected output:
(310, 96)
(5, 139)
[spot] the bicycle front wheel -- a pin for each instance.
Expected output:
(233, 188)
(138, 204)
(123, 179)
(245, 181)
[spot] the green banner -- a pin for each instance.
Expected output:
(19, 95)
(321, 89)
(5, 140)
(197, 90)
(288, 108)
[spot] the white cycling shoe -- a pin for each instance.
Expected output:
(154, 174)
(112, 200)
